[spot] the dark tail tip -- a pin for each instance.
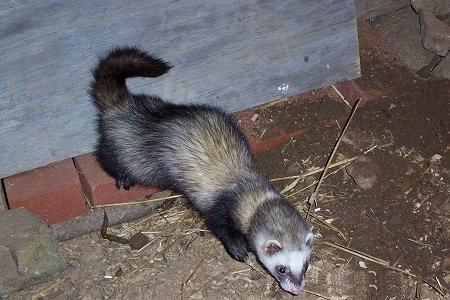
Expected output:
(108, 87)
(129, 61)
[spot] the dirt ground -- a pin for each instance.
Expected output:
(391, 204)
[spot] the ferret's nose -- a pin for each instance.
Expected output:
(296, 289)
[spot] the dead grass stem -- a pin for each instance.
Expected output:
(383, 263)
(313, 198)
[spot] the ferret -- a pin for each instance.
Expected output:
(199, 151)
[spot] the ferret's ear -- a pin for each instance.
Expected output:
(309, 239)
(272, 247)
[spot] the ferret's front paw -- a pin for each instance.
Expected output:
(238, 249)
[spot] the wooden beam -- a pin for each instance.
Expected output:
(234, 54)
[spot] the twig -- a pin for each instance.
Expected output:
(329, 226)
(434, 287)
(295, 182)
(176, 241)
(317, 294)
(183, 290)
(341, 96)
(419, 288)
(41, 293)
(383, 263)
(203, 285)
(439, 283)
(137, 202)
(111, 237)
(200, 262)
(395, 17)
(249, 263)
(308, 186)
(312, 198)
(358, 253)
(420, 243)
(333, 165)
(304, 175)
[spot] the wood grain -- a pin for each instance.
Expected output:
(234, 54)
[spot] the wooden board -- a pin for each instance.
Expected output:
(234, 54)
(368, 9)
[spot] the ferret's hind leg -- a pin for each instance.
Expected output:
(124, 181)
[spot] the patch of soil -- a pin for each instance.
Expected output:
(402, 219)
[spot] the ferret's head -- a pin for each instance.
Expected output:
(286, 263)
(282, 241)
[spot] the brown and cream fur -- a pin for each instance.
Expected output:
(199, 151)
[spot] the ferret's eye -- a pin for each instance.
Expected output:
(305, 267)
(281, 270)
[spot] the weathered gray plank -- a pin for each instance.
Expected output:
(368, 9)
(234, 54)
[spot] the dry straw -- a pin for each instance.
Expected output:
(163, 226)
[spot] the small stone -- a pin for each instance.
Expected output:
(364, 172)
(437, 7)
(362, 264)
(443, 68)
(119, 273)
(9, 276)
(40, 259)
(435, 158)
(447, 279)
(3, 205)
(138, 241)
(434, 33)
(294, 169)
(26, 238)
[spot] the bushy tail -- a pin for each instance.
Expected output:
(108, 89)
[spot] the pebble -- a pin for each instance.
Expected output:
(364, 172)
(29, 253)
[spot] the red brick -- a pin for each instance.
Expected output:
(100, 188)
(352, 92)
(244, 119)
(274, 141)
(52, 192)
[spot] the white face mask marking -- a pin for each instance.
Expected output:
(293, 263)
(287, 266)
